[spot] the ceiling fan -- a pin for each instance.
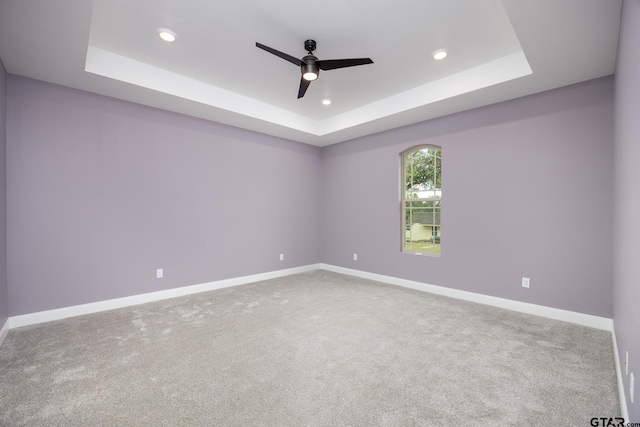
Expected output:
(310, 66)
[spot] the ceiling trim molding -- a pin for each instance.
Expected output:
(111, 65)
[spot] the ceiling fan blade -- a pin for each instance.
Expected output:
(332, 64)
(304, 84)
(282, 55)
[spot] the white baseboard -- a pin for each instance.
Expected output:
(616, 357)
(5, 330)
(523, 307)
(79, 310)
(95, 307)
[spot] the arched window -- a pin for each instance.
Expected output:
(422, 199)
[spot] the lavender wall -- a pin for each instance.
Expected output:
(627, 200)
(527, 192)
(4, 308)
(102, 192)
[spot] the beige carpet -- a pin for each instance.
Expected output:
(314, 349)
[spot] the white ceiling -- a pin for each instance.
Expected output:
(498, 50)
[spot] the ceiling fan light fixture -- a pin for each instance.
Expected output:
(310, 76)
(167, 35)
(440, 54)
(310, 69)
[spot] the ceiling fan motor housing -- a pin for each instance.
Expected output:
(310, 45)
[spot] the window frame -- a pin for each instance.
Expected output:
(404, 156)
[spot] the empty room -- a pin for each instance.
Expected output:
(292, 213)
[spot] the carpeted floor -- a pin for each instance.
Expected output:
(314, 349)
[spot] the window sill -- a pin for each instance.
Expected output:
(427, 254)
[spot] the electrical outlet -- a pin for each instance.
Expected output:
(281, 257)
(626, 363)
(526, 282)
(631, 387)
(355, 257)
(159, 273)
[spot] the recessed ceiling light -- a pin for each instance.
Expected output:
(326, 101)
(167, 35)
(440, 54)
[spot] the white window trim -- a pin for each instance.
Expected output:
(404, 200)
